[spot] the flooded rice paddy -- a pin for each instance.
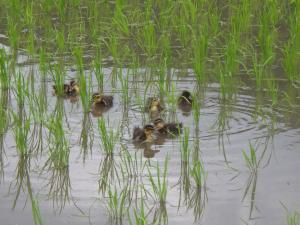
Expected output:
(236, 159)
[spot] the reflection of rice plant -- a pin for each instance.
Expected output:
(198, 173)
(293, 219)
(159, 185)
(4, 76)
(184, 144)
(109, 138)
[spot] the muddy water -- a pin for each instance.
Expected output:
(231, 194)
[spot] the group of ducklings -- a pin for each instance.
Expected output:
(100, 103)
(158, 127)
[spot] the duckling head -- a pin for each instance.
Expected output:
(97, 98)
(155, 103)
(149, 129)
(74, 87)
(186, 95)
(158, 123)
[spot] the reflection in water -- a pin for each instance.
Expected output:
(59, 185)
(107, 173)
(86, 136)
(148, 151)
(22, 183)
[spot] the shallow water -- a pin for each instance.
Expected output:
(231, 194)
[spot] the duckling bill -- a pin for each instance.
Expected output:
(167, 128)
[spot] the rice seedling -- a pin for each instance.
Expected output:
(59, 148)
(140, 217)
(58, 76)
(184, 146)
(198, 173)
(123, 78)
(117, 205)
(293, 219)
(159, 185)
(109, 138)
(250, 159)
(4, 73)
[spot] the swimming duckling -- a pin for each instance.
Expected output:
(101, 104)
(153, 107)
(185, 101)
(102, 100)
(143, 135)
(71, 89)
(167, 128)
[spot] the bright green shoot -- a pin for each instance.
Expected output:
(109, 138)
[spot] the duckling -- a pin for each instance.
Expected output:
(73, 88)
(101, 104)
(153, 106)
(102, 100)
(143, 135)
(167, 128)
(185, 101)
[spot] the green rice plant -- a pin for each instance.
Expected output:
(184, 146)
(60, 39)
(97, 65)
(4, 74)
(293, 219)
(109, 138)
(200, 51)
(36, 214)
(198, 173)
(120, 20)
(273, 90)
(59, 148)
(13, 34)
(58, 76)
(250, 159)
(21, 132)
(160, 185)
(117, 206)
(140, 217)
(123, 78)
(148, 39)
(196, 110)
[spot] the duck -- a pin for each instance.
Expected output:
(163, 128)
(102, 100)
(71, 89)
(185, 101)
(143, 135)
(153, 107)
(101, 103)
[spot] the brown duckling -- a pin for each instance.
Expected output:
(102, 100)
(167, 128)
(71, 89)
(101, 104)
(185, 101)
(153, 106)
(143, 135)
